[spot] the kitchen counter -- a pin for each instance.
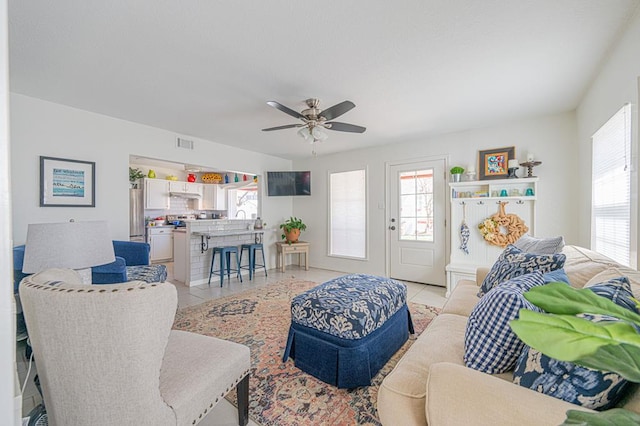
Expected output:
(210, 234)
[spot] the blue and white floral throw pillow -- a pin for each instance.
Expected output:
(513, 262)
(598, 390)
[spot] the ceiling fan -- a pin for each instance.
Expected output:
(315, 120)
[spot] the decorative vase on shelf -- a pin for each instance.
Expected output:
(191, 177)
(455, 177)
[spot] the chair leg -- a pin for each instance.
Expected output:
(222, 256)
(213, 259)
(243, 401)
(238, 267)
(264, 262)
(252, 262)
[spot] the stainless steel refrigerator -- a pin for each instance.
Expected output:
(136, 215)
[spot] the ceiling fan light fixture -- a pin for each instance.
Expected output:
(304, 133)
(318, 133)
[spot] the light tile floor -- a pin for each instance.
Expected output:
(225, 414)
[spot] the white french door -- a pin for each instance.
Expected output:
(417, 222)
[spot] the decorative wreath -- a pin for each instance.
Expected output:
(502, 229)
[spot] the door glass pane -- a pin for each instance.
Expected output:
(416, 205)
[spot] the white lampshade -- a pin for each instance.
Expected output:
(74, 245)
(513, 164)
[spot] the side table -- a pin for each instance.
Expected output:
(299, 248)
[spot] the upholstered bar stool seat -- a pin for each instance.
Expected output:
(225, 263)
(252, 265)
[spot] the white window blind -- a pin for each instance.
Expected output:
(611, 186)
(347, 214)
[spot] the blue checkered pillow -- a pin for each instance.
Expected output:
(513, 262)
(490, 345)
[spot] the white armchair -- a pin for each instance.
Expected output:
(106, 355)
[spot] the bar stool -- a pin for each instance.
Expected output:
(225, 263)
(251, 248)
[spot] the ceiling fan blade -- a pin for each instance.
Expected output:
(337, 110)
(286, 110)
(286, 126)
(345, 127)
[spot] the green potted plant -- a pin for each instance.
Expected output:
(456, 173)
(291, 229)
(606, 346)
(134, 176)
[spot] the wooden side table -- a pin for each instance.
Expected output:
(299, 248)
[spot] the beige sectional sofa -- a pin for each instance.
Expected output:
(431, 384)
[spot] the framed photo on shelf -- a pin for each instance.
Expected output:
(67, 183)
(493, 163)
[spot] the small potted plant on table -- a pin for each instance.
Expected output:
(291, 229)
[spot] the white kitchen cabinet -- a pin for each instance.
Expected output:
(214, 198)
(156, 194)
(161, 241)
(475, 201)
(190, 187)
(180, 255)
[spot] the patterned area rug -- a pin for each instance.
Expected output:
(280, 393)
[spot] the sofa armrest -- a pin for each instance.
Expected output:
(481, 273)
(457, 395)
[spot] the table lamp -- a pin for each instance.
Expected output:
(74, 245)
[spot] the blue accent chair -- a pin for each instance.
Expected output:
(18, 260)
(132, 263)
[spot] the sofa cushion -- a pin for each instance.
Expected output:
(513, 262)
(463, 299)
(583, 386)
(490, 344)
(403, 390)
(582, 264)
(529, 244)
(618, 290)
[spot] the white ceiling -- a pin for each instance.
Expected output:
(414, 68)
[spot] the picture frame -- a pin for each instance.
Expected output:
(493, 163)
(67, 183)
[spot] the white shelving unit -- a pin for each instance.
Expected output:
(475, 201)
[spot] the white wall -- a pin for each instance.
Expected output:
(40, 128)
(10, 400)
(552, 139)
(616, 84)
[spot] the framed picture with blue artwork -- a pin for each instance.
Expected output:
(493, 163)
(67, 183)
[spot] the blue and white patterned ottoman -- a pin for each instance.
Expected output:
(345, 330)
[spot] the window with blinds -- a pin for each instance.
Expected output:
(347, 214)
(611, 188)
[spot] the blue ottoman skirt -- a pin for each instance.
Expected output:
(347, 363)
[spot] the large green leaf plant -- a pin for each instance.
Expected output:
(560, 334)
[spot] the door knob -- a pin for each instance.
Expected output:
(393, 228)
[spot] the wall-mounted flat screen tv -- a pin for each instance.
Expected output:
(288, 183)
